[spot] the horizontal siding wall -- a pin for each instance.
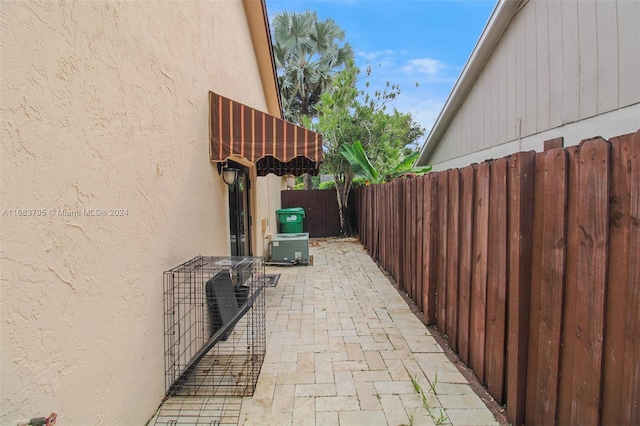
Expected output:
(557, 63)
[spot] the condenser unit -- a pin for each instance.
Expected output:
(290, 248)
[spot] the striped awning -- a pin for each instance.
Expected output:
(274, 145)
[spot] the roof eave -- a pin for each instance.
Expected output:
(502, 14)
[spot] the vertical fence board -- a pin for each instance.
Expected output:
(406, 236)
(389, 256)
(382, 208)
(467, 178)
(453, 258)
(376, 221)
(400, 231)
(388, 224)
(366, 217)
(567, 361)
(393, 211)
(360, 193)
(429, 275)
(397, 242)
(536, 273)
(368, 201)
(479, 271)
(385, 213)
(419, 238)
(413, 261)
(593, 221)
(521, 175)
(356, 204)
(393, 219)
(390, 252)
(497, 281)
(360, 197)
(441, 250)
(618, 270)
(631, 383)
(551, 285)
(372, 220)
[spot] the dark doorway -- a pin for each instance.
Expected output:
(239, 213)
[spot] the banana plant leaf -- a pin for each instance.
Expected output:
(355, 155)
(406, 166)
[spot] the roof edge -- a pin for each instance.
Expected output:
(502, 14)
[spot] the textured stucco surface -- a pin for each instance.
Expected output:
(104, 106)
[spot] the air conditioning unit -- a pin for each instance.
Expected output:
(290, 247)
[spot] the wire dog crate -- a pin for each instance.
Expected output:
(215, 327)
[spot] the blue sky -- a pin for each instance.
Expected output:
(406, 41)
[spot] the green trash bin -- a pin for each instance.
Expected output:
(290, 220)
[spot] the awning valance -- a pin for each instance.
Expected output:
(274, 145)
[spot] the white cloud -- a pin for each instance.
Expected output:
(425, 66)
(370, 56)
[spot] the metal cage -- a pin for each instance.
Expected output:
(215, 327)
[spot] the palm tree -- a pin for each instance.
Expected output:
(308, 55)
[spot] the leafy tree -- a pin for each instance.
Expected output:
(308, 54)
(347, 115)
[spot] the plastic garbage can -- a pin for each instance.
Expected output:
(290, 220)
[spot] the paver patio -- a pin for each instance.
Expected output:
(343, 347)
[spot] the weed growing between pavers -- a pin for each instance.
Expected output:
(438, 419)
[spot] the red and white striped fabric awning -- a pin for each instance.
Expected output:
(274, 145)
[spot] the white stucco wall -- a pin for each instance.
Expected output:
(268, 188)
(104, 106)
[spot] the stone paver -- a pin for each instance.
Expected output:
(343, 347)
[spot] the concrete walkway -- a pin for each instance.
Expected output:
(343, 347)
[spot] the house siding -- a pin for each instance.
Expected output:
(557, 63)
(105, 106)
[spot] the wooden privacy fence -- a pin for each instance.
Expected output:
(322, 217)
(530, 265)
